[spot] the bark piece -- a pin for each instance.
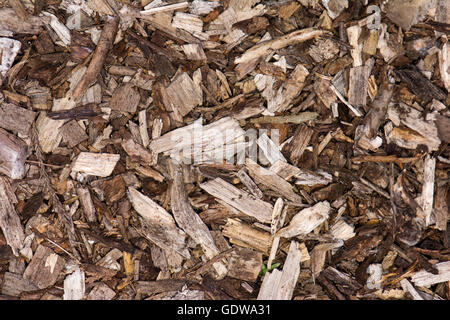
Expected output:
(96, 164)
(280, 285)
(137, 151)
(13, 155)
(160, 225)
(125, 98)
(244, 264)
(40, 97)
(101, 292)
(73, 134)
(241, 200)
(44, 268)
(318, 255)
(441, 207)
(298, 144)
(306, 220)
(420, 85)
(10, 223)
(113, 189)
(14, 284)
(183, 94)
(11, 23)
(244, 235)
(366, 135)
(158, 286)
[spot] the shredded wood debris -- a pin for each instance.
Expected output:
(224, 149)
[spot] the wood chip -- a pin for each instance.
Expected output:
(279, 285)
(96, 164)
(44, 268)
(241, 200)
(160, 225)
(306, 220)
(9, 219)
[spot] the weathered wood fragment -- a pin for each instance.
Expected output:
(427, 195)
(13, 155)
(190, 221)
(425, 131)
(270, 149)
(101, 291)
(271, 180)
(249, 184)
(425, 279)
(87, 204)
(244, 264)
(10, 223)
(125, 98)
(14, 284)
(137, 151)
(264, 48)
(244, 235)
(73, 134)
(9, 49)
(183, 94)
(298, 144)
(241, 200)
(11, 23)
(96, 164)
(306, 220)
(44, 268)
(189, 22)
(98, 58)
(280, 285)
(160, 225)
(74, 285)
(358, 85)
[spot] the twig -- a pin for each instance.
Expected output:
(98, 58)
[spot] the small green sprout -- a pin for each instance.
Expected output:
(264, 268)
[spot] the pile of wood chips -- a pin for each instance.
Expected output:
(224, 149)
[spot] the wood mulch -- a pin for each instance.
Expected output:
(224, 149)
